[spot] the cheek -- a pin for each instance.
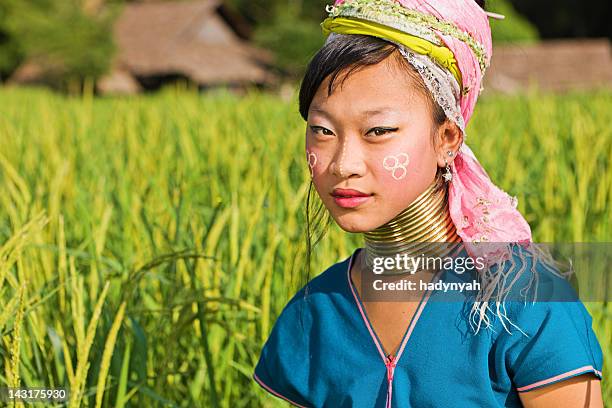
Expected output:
(396, 165)
(402, 164)
(317, 160)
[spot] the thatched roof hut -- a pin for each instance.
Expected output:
(553, 65)
(193, 39)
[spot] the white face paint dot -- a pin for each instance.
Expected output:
(396, 164)
(340, 160)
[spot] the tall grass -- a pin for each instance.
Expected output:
(148, 244)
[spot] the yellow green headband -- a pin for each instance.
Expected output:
(440, 54)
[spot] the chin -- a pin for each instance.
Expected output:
(355, 222)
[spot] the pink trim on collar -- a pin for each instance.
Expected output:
(391, 361)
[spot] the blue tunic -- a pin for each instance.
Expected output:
(323, 352)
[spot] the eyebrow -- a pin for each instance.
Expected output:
(370, 112)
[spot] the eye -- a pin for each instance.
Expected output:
(381, 131)
(321, 130)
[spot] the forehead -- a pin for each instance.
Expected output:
(388, 84)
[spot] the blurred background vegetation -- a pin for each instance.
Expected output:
(73, 38)
(144, 260)
(171, 226)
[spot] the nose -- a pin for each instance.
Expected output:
(348, 160)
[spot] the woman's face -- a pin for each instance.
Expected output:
(369, 145)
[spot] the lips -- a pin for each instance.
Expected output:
(349, 198)
(348, 193)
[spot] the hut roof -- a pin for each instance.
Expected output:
(553, 65)
(189, 38)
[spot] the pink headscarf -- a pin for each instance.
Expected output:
(481, 211)
(468, 16)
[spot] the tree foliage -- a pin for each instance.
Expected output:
(292, 39)
(68, 40)
(514, 28)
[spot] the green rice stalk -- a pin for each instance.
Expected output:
(109, 347)
(83, 351)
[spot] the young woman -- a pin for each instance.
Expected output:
(386, 102)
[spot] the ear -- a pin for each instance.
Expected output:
(448, 138)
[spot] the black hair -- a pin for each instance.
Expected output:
(346, 54)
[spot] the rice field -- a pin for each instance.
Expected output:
(147, 244)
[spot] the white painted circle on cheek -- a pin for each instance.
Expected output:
(397, 165)
(311, 158)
